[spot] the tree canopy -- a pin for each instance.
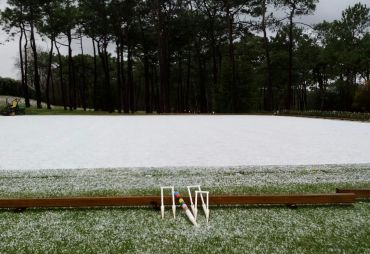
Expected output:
(164, 56)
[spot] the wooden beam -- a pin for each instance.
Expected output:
(75, 202)
(154, 201)
(360, 193)
(313, 199)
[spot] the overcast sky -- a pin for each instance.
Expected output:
(326, 10)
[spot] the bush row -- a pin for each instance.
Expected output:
(329, 114)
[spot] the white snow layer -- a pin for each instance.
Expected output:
(74, 142)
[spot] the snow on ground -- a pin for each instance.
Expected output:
(74, 142)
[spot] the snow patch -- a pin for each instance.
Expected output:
(74, 142)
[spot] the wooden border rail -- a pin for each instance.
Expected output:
(154, 201)
(360, 193)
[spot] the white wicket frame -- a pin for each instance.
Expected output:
(205, 205)
(191, 197)
(172, 188)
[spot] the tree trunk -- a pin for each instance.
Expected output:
(152, 88)
(124, 89)
(84, 85)
(49, 74)
(202, 99)
(268, 105)
(70, 73)
(24, 84)
(180, 96)
(290, 66)
(108, 105)
(36, 66)
(163, 60)
(74, 85)
(95, 88)
(187, 91)
(163, 76)
(26, 96)
(64, 96)
(119, 77)
(304, 96)
(148, 108)
(322, 90)
(214, 89)
(155, 89)
(130, 80)
(233, 88)
(107, 81)
(53, 88)
(215, 73)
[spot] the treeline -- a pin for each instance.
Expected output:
(10, 87)
(191, 56)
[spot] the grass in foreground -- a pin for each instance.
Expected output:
(232, 230)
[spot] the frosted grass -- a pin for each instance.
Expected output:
(248, 229)
(231, 230)
(146, 181)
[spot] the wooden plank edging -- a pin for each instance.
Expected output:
(360, 193)
(154, 201)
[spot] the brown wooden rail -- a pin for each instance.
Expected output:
(360, 193)
(154, 201)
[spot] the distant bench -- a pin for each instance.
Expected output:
(154, 201)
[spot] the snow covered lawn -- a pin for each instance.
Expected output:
(74, 142)
(250, 229)
(225, 154)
